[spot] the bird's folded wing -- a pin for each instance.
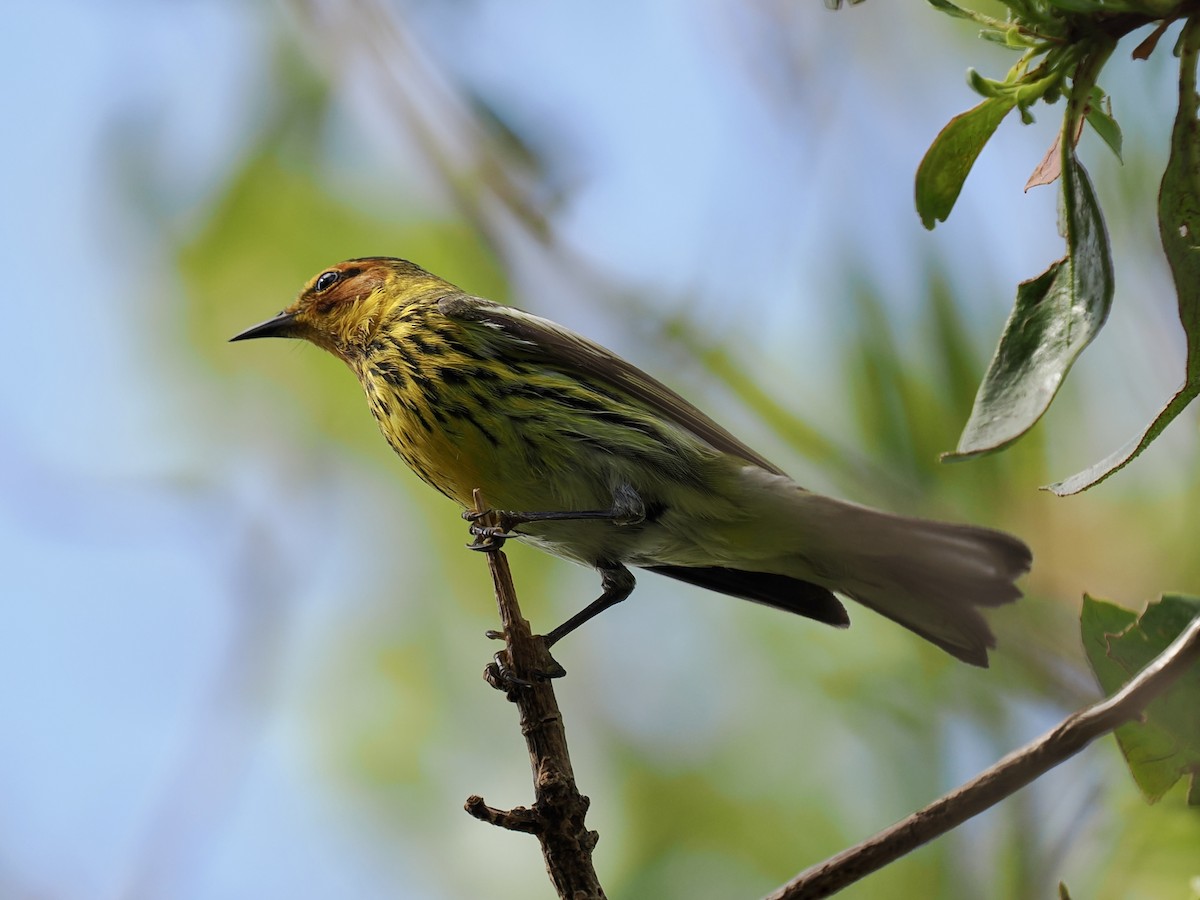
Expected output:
(553, 345)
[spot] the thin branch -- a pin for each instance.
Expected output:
(1008, 776)
(557, 815)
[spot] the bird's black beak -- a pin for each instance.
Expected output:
(282, 326)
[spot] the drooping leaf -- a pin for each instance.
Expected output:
(1101, 119)
(1179, 229)
(1055, 317)
(949, 158)
(1165, 745)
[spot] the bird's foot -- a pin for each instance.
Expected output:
(490, 528)
(488, 537)
(500, 675)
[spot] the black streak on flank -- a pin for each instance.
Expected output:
(451, 376)
(418, 346)
(415, 412)
(654, 511)
(483, 373)
(466, 415)
(388, 371)
(479, 401)
(429, 392)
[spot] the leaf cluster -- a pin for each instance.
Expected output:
(1064, 46)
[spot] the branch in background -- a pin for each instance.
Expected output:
(557, 816)
(1002, 780)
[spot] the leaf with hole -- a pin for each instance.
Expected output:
(1165, 745)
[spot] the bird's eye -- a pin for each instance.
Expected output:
(326, 280)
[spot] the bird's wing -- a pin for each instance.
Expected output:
(573, 353)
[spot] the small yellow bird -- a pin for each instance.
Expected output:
(597, 462)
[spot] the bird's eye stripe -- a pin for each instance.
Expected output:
(326, 280)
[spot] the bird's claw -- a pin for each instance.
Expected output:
(500, 675)
(488, 537)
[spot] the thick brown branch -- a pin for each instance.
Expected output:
(1003, 779)
(557, 815)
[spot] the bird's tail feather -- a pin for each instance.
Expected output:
(931, 577)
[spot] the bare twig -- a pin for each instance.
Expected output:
(557, 815)
(1003, 779)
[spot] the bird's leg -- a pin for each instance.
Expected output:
(627, 508)
(617, 582)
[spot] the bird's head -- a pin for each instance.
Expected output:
(341, 308)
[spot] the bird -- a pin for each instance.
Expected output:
(593, 460)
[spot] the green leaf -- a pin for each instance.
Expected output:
(1114, 462)
(949, 159)
(1098, 621)
(1055, 317)
(1100, 118)
(1108, 129)
(987, 87)
(951, 10)
(1165, 745)
(1179, 229)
